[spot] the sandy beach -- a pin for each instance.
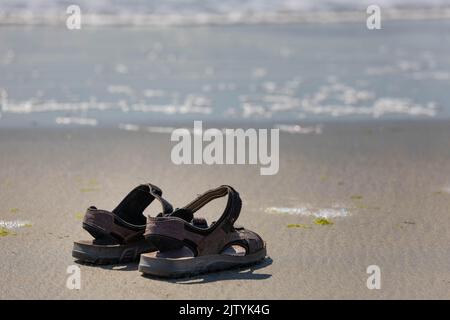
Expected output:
(90, 96)
(390, 182)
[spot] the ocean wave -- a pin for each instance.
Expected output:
(199, 12)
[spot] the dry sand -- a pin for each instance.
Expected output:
(392, 180)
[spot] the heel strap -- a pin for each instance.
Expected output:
(229, 215)
(126, 222)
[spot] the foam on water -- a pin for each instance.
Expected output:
(33, 106)
(14, 224)
(129, 127)
(331, 212)
(295, 74)
(75, 120)
(150, 129)
(334, 99)
(298, 129)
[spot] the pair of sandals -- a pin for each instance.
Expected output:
(174, 243)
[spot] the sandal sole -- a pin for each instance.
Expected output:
(109, 254)
(181, 267)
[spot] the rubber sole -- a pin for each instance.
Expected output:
(152, 264)
(86, 251)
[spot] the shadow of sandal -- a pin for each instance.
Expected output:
(242, 273)
(129, 266)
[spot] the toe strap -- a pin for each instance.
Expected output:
(219, 240)
(253, 242)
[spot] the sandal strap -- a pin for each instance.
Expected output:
(232, 209)
(156, 192)
(112, 227)
(173, 232)
(150, 192)
(219, 240)
(102, 226)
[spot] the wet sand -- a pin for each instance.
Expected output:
(391, 179)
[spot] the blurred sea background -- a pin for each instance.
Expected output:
(270, 62)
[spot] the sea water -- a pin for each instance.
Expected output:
(161, 76)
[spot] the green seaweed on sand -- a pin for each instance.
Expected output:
(323, 221)
(356, 197)
(92, 182)
(5, 232)
(298, 225)
(8, 183)
(79, 216)
(14, 210)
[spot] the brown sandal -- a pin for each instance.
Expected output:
(188, 245)
(118, 235)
